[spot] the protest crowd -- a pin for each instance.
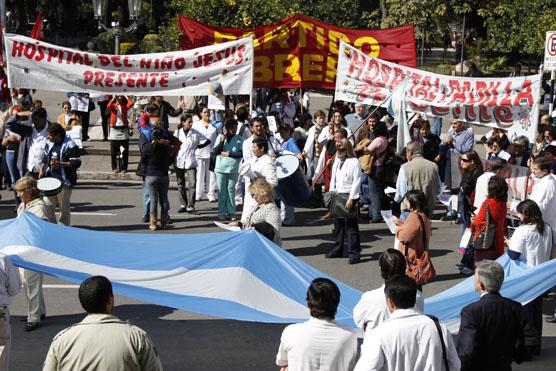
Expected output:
(259, 158)
(350, 156)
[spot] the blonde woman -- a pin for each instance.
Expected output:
(266, 217)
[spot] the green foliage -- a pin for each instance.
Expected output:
(105, 42)
(497, 64)
(516, 26)
(151, 44)
(128, 48)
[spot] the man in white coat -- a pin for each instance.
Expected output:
(371, 310)
(320, 343)
(261, 165)
(544, 191)
(408, 340)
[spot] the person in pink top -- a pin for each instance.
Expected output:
(377, 149)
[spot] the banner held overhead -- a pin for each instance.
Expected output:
(507, 103)
(34, 64)
(301, 52)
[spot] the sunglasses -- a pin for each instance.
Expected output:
(465, 159)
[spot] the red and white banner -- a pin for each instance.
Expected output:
(520, 182)
(34, 64)
(507, 103)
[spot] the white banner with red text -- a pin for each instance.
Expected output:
(507, 103)
(34, 64)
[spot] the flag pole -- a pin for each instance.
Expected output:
(364, 122)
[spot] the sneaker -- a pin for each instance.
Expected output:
(182, 209)
(222, 218)
(115, 171)
(459, 266)
(192, 211)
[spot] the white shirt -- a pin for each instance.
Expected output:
(346, 179)
(534, 248)
(544, 194)
(36, 151)
(10, 280)
(264, 167)
(371, 310)
(407, 341)
(287, 112)
(481, 188)
(209, 133)
(317, 345)
(186, 158)
(325, 135)
(274, 148)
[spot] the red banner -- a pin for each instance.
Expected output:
(301, 52)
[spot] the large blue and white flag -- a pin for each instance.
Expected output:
(236, 275)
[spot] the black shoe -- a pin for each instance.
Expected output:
(332, 256)
(145, 219)
(375, 221)
(192, 212)
(43, 316)
(551, 319)
(182, 209)
(354, 260)
(31, 326)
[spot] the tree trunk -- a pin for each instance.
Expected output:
(383, 10)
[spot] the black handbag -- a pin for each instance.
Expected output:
(338, 206)
(485, 240)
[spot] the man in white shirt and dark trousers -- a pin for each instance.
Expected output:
(320, 343)
(186, 162)
(345, 183)
(408, 340)
(10, 284)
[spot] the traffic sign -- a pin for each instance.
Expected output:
(550, 51)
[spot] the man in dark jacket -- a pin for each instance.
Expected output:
(166, 109)
(61, 161)
(492, 330)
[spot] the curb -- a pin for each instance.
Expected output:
(108, 175)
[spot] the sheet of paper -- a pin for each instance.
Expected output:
(465, 238)
(388, 190)
(387, 216)
(272, 123)
(227, 227)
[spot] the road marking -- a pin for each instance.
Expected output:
(60, 286)
(92, 213)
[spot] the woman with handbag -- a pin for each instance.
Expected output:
(488, 242)
(377, 150)
(414, 235)
(344, 187)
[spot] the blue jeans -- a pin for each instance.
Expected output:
(376, 194)
(436, 126)
(146, 198)
(14, 171)
(158, 193)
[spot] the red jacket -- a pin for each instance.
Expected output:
(498, 210)
(113, 108)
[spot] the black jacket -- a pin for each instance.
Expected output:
(165, 110)
(491, 333)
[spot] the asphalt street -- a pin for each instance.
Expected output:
(189, 341)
